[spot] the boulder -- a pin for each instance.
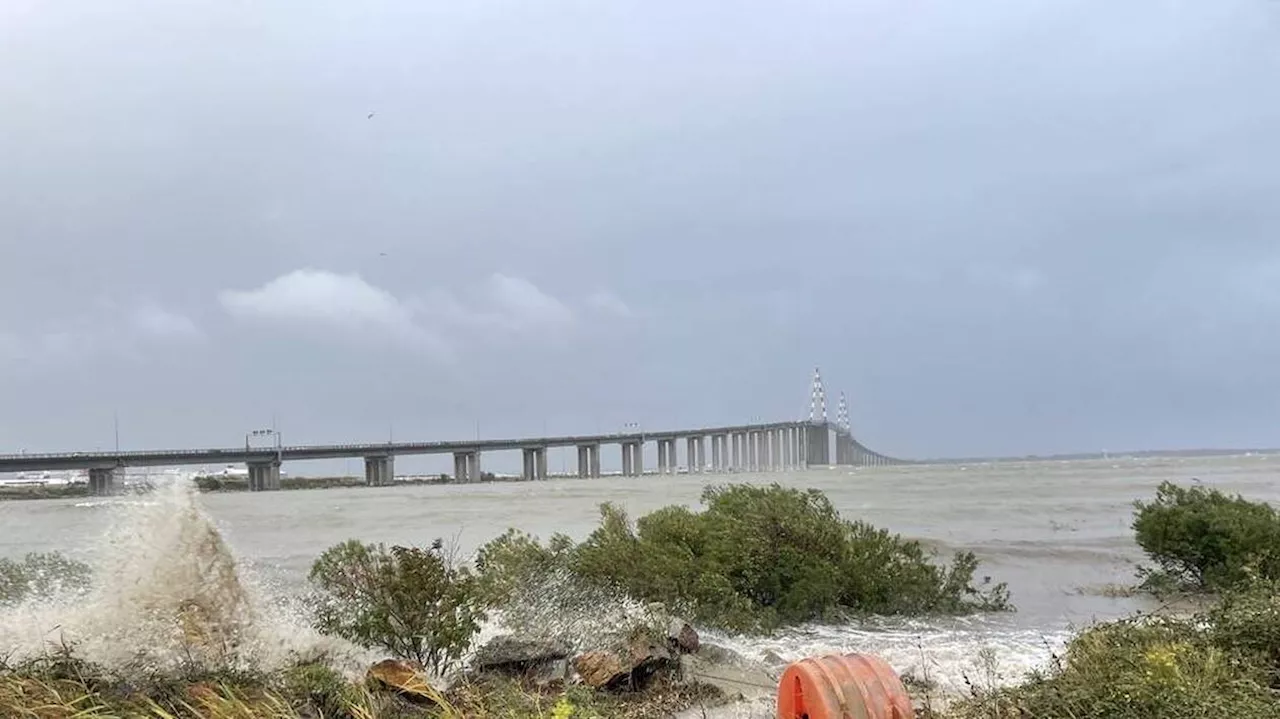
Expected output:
(405, 678)
(626, 668)
(682, 637)
(599, 668)
(540, 661)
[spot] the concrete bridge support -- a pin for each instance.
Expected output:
(102, 481)
(667, 460)
(798, 447)
(264, 476)
(588, 460)
(719, 452)
(379, 471)
(632, 459)
(535, 463)
(466, 467)
(696, 451)
(819, 446)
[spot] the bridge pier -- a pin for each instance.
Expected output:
(667, 461)
(588, 460)
(819, 446)
(466, 467)
(264, 476)
(535, 463)
(632, 459)
(691, 453)
(102, 481)
(379, 471)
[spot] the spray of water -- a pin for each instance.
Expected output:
(560, 608)
(168, 594)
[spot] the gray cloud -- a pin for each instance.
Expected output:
(999, 226)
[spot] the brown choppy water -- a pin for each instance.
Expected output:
(1057, 532)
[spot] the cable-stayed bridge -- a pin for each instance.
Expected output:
(754, 447)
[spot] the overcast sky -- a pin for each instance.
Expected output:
(1000, 226)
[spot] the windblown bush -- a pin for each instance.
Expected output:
(514, 560)
(1247, 621)
(755, 558)
(1224, 662)
(1161, 669)
(412, 602)
(40, 574)
(1203, 540)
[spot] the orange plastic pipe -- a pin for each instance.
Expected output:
(850, 686)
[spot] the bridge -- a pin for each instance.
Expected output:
(755, 447)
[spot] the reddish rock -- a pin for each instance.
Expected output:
(628, 668)
(598, 669)
(404, 678)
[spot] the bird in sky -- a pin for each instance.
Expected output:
(371, 114)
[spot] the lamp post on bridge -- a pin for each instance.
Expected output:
(266, 433)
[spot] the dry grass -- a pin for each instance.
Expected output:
(65, 689)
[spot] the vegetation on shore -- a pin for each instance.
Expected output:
(1202, 540)
(60, 686)
(754, 559)
(1223, 661)
(43, 491)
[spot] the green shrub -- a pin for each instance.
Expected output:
(1204, 540)
(1247, 621)
(514, 559)
(40, 574)
(757, 557)
(1134, 670)
(412, 602)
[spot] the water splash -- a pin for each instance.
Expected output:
(953, 654)
(167, 594)
(561, 608)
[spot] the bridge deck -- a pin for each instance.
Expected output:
(173, 457)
